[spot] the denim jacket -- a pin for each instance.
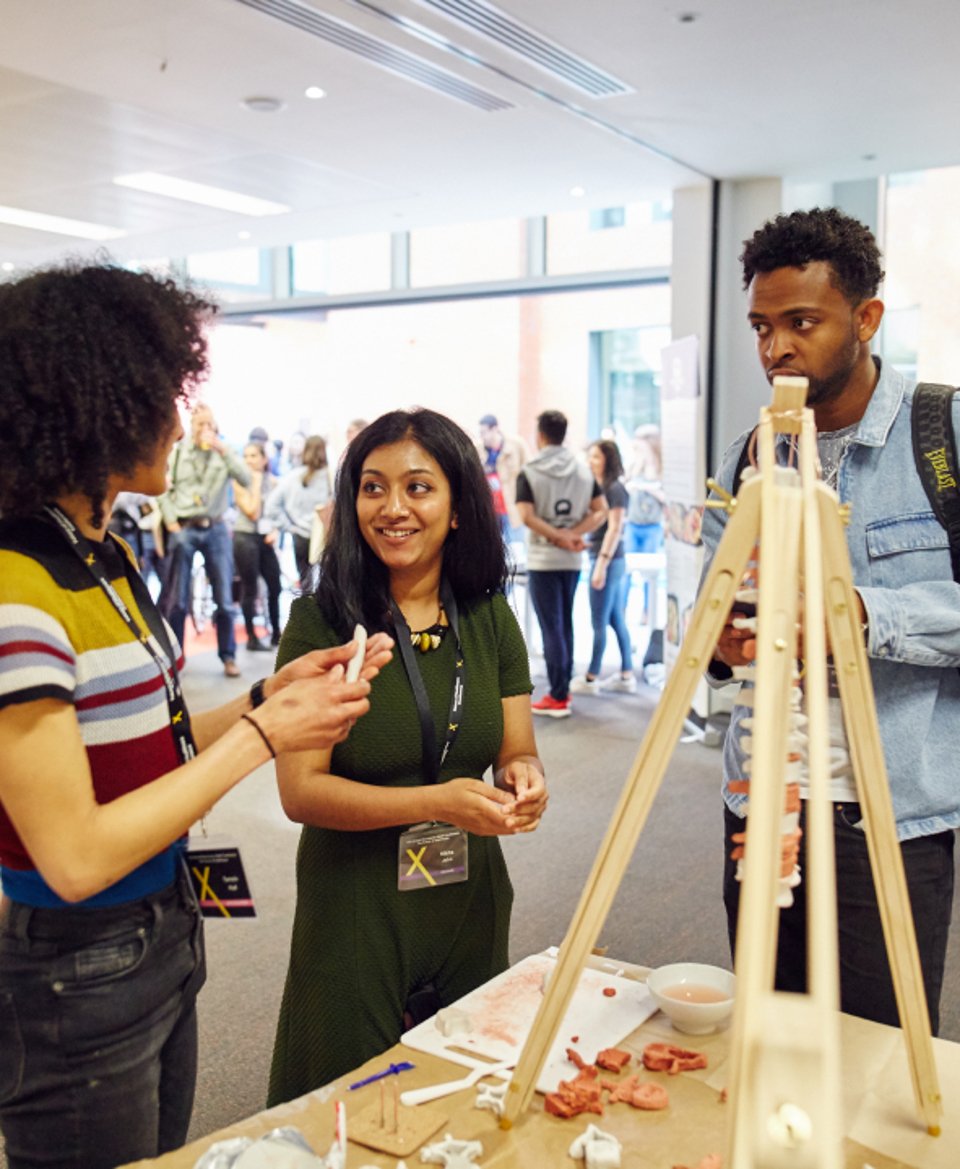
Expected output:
(900, 559)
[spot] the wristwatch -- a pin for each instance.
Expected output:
(257, 696)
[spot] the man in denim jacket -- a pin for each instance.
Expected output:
(812, 279)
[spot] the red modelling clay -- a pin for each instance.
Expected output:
(609, 991)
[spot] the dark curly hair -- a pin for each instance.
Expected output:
(92, 360)
(354, 585)
(803, 237)
(612, 462)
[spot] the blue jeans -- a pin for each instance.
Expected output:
(98, 1030)
(866, 986)
(607, 607)
(641, 538)
(551, 593)
(215, 545)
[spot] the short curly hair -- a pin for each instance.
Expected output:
(803, 237)
(92, 360)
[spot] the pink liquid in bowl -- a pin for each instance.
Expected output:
(686, 992)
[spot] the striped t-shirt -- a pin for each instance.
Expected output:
(61, 638)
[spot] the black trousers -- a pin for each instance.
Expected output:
(253, 557)
(866, 986)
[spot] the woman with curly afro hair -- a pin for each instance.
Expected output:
(101, 947)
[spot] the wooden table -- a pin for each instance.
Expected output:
(879, 1118)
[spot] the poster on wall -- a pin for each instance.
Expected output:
(684, 472)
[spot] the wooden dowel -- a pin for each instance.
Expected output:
(640, 788)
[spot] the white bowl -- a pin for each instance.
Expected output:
(693, 979)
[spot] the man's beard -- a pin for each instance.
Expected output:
(831, 387)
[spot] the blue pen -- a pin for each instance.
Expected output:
(392, 1070)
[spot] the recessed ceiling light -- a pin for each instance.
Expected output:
(578, 192)
(264, 105)
(157, 184)
(314, 92)
(18, 217)
(869, 158)
(244, 234)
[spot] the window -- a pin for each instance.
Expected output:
(922, 261)
(468, 253)
(339, 267)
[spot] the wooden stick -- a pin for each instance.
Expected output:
(873, 791)
(785, 1048)
(640, 788)
(781, 504)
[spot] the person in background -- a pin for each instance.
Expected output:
(259, 434)
(138, 520)
(104, 770)
(193, 508)
(414, 549)
(294, 450)
(301, 498)
(502, 459)
(608, 577)
(560, 502)
(254, 554)
(812, 279)
(354, 428)
(644, 527)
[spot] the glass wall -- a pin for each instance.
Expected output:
(512, 356)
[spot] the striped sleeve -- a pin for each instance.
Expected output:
(36, 657)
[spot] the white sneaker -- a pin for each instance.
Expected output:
(585, 686)
(624, 684)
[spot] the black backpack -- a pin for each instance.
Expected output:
(935, 453)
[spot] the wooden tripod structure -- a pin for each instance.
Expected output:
(785, 1080)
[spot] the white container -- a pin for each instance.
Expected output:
(690, 983)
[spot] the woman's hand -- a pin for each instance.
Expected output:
(320, 661)
(525, 780)
(310, 706)
(598, 578)
(474, 806)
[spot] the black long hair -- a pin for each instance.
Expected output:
(354, 584)
(92, 360)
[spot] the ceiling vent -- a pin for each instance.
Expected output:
(530, 46)
(405, 64)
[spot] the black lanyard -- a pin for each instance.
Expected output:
(432, 761)
(86, 553)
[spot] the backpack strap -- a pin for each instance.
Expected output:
(935, 453)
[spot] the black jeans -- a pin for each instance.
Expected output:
(866, 986)
(98, 1030)
(254, 558)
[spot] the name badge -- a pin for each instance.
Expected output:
(431, 855)
(219, 880)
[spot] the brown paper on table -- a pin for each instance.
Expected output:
(878, 1109)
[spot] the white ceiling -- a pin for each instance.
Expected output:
(91, 89)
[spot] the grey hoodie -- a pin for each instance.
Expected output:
(562, 489)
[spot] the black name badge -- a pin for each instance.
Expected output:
(430, 855)
(219, 880)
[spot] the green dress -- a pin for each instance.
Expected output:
(360, 947)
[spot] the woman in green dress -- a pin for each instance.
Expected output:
(401, 882)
